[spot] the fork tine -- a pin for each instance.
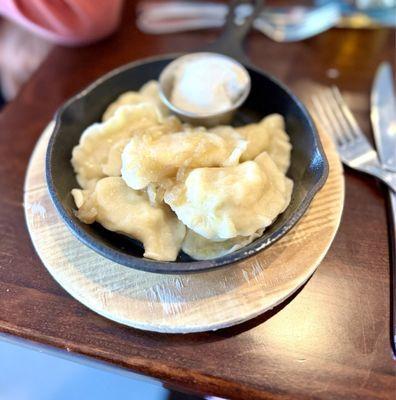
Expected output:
(323, 119)
(339, 116)
(347, 112)
(357, 153)
(333, 122)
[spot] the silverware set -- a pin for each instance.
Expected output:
(357, 153)
(281, 24)
(353, 147)
(287, 24)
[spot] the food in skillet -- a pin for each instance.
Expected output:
(145, 174)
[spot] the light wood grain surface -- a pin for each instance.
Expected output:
(189, 302)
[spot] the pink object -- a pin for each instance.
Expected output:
(70, 22)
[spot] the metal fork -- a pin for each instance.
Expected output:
(352, 145)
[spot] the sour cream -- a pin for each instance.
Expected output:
(207, 84)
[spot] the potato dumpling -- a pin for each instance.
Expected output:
(152, 158)
(121, 209)
(99, 152)
(91, 154)
(225, 202)
(148, 93)
(114, 162)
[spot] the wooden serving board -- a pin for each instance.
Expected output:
(182, 303)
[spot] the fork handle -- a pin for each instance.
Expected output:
(391, 210)
(374, 168)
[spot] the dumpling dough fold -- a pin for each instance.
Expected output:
(121, 209)
(267, 135)
(200, 248)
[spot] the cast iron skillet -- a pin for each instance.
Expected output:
(308, 168)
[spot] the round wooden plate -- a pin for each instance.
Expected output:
(182, 303)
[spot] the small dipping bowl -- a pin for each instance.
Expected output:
(166, 83)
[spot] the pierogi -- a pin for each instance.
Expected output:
(225, 202)
(91, 154)
(99, 152)
(152, 158)
(121, 209)
(145, 174)
(148, 93)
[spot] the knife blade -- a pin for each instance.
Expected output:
(383, 116)
(383, 120)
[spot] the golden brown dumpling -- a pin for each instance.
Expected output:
(121, 209)
(152, 158)
(114, 163)
(91, 154)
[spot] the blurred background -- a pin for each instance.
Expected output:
(29, 29)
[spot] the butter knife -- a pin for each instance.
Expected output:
(383, 116)
(383, 120)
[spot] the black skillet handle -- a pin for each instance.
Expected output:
(235, 30)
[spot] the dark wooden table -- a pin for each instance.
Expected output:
(330, 341)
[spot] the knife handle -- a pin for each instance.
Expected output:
(391, 210)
